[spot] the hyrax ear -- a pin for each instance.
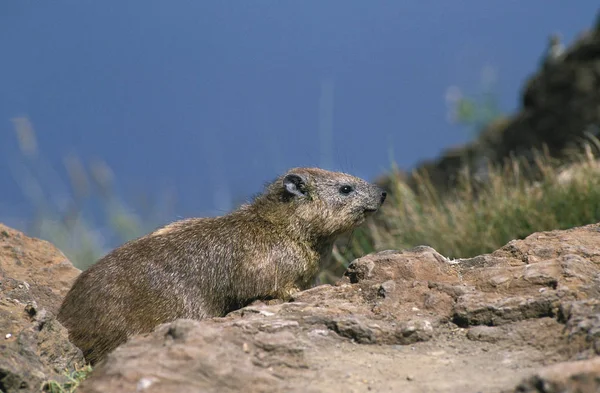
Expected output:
(294, 184)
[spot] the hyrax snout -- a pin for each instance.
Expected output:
(206, 267)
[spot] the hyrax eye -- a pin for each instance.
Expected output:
(345, 190)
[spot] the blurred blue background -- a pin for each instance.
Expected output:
(210, 99)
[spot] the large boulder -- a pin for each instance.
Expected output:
(409, 321)
(34, 347)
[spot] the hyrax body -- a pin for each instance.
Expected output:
(205, 267)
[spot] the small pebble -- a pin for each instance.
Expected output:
(145, 383)
(410, 378)
(8, 335)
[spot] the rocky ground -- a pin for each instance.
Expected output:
(525, 318)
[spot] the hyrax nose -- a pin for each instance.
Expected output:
(383, 195)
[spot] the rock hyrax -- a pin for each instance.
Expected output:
(206, 267)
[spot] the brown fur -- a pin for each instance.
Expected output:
(205, 267)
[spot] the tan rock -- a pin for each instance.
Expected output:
(578, 377)
(34, 347)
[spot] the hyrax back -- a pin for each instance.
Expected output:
(205, 267)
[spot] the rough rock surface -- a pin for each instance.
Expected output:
(34, 347)
(399, 321)
(578, 376)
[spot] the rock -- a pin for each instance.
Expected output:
(195, 357)
(535, 302)
(34, 346)
(582, 324)
(490, 334)
(568, 377)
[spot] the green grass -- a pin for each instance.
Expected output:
(78, 208)
(72, 380)
(479, 218)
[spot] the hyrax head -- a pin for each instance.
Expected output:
(326, 203)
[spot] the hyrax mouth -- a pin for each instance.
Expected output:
(370, 210)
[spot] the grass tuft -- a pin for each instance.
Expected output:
(72, 380)
(478, 218)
